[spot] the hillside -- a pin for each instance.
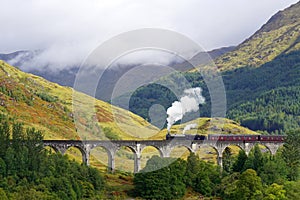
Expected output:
(67, 75)
(207, 126)
(48, 107)
(280, 35)
(264, 98)
(262, 93)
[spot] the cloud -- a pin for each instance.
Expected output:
(67, 31)
(149, 56)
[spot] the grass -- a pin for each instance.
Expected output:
(279, 35)
(261, 48)
(48, 106)
(206, 126)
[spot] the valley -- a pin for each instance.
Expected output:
(59, 143)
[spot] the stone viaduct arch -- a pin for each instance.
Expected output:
(163, 146)
(158, 149)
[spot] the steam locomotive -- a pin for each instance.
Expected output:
(229, 137)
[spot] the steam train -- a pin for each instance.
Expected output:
(229, 137)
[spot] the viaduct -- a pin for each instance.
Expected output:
(163, 146)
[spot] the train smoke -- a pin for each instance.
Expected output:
(188, 103)
(189, 127)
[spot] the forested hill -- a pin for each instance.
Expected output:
(261, 78)
(264, 98)
(280, 35)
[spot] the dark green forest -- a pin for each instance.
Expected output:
(263, 98)
(28, 171)
(258, 176)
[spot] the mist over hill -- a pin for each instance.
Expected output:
(66, 76)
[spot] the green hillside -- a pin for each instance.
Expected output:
(47, 106)
(264, 98)
(261, 78)
(272, 111)
(281, 34)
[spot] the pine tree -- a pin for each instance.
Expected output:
(2, 168)
(291, 154)
(258, 161)
(10, 161)
(192, 169)
(238, 166)
(4, 138)
(34, 144)
(17, 137)
(227, 160)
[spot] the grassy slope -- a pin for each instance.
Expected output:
(48, 106)
(280, 34)
(207, 126)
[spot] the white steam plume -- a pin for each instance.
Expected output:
(188, 127)
(188, 103)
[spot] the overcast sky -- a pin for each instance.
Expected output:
(70, 29)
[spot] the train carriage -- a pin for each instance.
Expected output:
(229, 137)
(272, 138)
(222, 137)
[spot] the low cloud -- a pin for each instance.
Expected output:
(67, 31)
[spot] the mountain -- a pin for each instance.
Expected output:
(22, 59)
(19, 58)
(47, 106)
(261, 95)
(201, 58)
(281, 34)
(67, 76)
(265, 98)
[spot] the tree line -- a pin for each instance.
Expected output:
(28, 171)
(258, 176)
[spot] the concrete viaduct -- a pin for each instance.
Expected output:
(163, 146)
